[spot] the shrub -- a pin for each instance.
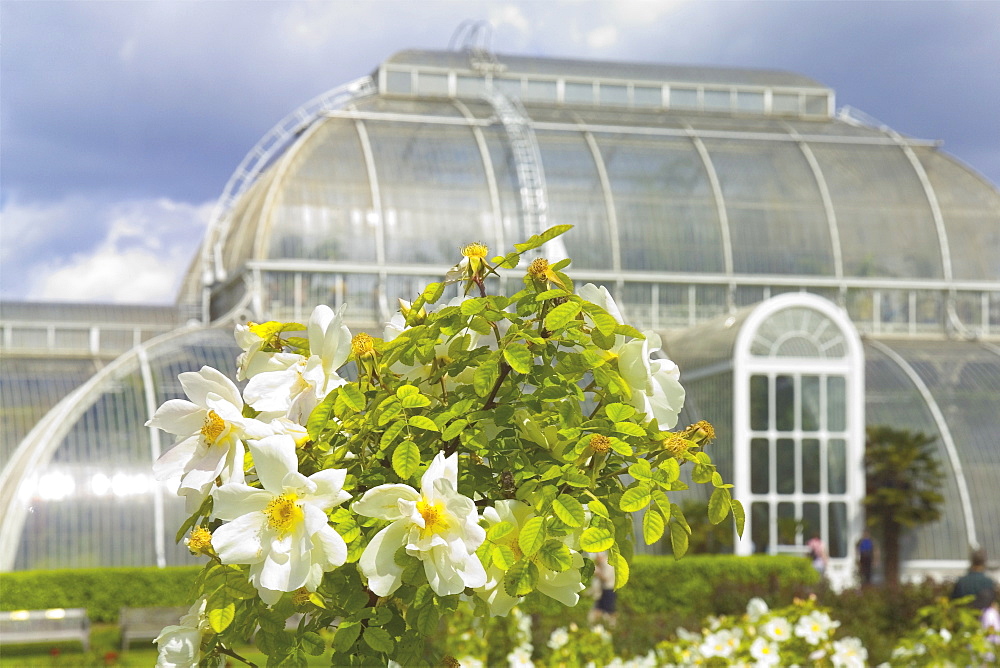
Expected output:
(102, 591)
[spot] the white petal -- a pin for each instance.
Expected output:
(239, 541)
(178, 417)
(237, 499)
(172, 463)
(319, 321)
(329, 488)
(378, 561)
(271, 391)
(383, 501)
(287, 571)
(442, 574)
(274, 457)
(633, 365)
(441, 468)
(330, 550)
(197, 385)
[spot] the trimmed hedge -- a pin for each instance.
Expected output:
(661, 587)
(102, 591)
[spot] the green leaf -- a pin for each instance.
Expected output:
(484, 377)
(717, 480)
(391, 433)
(739, 516)
(560, 316)
(620, 564)
(621, 447)
(604, 321)
(537, 240)
(678, 539)
(320, 416)
(410, 397)
(569, 510)
(598, 508)
(635, 498)
(702, 473)
(555, 556)
(596, 539)
(454, 429)
(426, 619)
(498, 531)
(618, 412)
(345, 636)
(518, 357)
(662, 502)
(575, 479)
(473, 306)
(718, 505)
(630, 428)
(503, 557)
(652, 525)
(532, 536)
(641, 470)
(521, 578)
(406, 459)
(629, 331)
(220, 618)
(433, 292)
(312, 643)
(671, 469)
(379, 639)
(423, 422)
(353, 397)
(550, 294)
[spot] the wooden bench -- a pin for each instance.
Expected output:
(145, 624)
(41, 626)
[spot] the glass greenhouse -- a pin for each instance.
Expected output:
(811, 272)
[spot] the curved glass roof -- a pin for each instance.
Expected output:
(80, 484)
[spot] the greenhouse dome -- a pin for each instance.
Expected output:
(794, 256)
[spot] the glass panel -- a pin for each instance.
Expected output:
(836, 466)
(784, 403)
(811, 525)
(469, 85)
(432, 84)
(760, 466)
(579, 92)
(810, 466)
(398, 82)
(647, 97)
(785, 103)
(817, 105)
(836, 403)
(717, 100)
(684, 98)
(838, 530)
(760, 534)
(543, 91)
(810, 403)
(758, 402)
(613, 94)
(784, 459)
(510, 87)
(753, 102)
(788, 526)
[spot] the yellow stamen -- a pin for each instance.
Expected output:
(539, 269)
(676, 445)
(200, 541)
(476, 250)
(283, 514)
(600, 443)
(212, 427)
(434, 519)
(363, 345)
(301, 596)
(450, 662)
(700, 432)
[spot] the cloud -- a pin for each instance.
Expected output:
(603, 37)
(138, 253)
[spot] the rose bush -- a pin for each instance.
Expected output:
(479, 451)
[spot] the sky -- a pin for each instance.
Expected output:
(121, 122)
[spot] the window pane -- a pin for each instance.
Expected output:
(746, 101)
(760, 466)
(510, 87)
(816, 104)
(784, 403)
(836, 466)
(397, 82)
(717, 100)
(810, 521)
(836, 403)
(810, 466)
(647, 97)
(544, 91)
(784, 457)
(784, 103)
(758, 403)
(788, 526)
(579, 92)
(469, 86)
(432, 84)
(760, 518)
(810, 403)
(684, 98)
(613, 94)
(838, 529)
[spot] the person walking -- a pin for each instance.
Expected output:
(818, 555)
(603, 586)
(866, 558)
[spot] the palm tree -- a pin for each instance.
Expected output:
(904, 479)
